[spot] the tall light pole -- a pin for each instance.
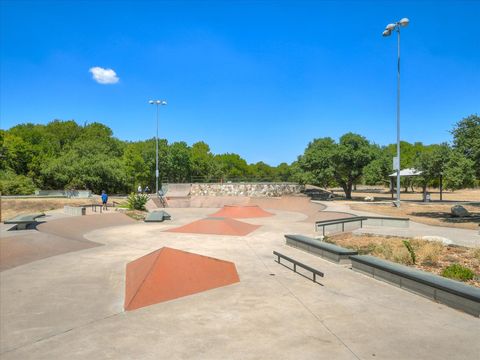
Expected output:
(387, 32)
(158, 103)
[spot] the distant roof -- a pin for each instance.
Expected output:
(407, 172)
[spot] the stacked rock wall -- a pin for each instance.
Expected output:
(246, 189)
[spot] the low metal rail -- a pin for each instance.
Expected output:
(296, 263)
(342, 221)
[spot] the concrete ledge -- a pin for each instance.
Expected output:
(24, 221)
(327, 251)
(157, 216)
(446, 291)
(74, 210)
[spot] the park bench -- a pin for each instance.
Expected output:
(23, 221)
(157, 216)
(296, 263)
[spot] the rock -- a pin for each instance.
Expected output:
(459, 211)
(441, 239)
(369, 198)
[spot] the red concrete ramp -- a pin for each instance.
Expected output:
(238, 212)
(167, 274)
(217, 226)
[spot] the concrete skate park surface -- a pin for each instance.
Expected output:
(70, 306)
(53, 237)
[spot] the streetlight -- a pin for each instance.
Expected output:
(387, 32)
(158, 103)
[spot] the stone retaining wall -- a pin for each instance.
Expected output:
(246, 189)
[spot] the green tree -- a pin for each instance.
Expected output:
(179, 162)
(203, 166)
(283, 172)
(232, 167)
(459, 172)
(432, 163)
(378, 170)
(466, 139)
(342, 162)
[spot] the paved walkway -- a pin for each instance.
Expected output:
(70, 306)
(464, 237)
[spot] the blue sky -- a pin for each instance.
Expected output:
(259, 78)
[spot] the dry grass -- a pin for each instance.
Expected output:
(14, 207)
(382, 193)
(425, 213)
(431, 256)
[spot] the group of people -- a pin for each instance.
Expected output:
(146, 190)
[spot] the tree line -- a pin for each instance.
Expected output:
(66, 155)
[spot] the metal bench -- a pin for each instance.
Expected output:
(23, 221)
(296, 263)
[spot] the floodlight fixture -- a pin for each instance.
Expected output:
(404, 22)
(387, 33)
(390, 27)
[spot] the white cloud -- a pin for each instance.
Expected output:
(104, 76)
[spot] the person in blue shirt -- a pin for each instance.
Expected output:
(104, 200)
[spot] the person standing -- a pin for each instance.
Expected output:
(104, 200)
(139, 189)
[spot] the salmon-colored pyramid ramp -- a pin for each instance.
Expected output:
(238, 211)
(167, 274)
(217, 226)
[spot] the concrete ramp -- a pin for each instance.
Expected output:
(250, 211)
(217, 226)
(167, 274)
(177, 190)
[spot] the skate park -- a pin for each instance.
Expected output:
(71, 297)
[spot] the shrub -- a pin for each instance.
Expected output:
(137, 201)
(410, 250)
(476, 254)
(458, 272)
(430, 252)
(13, 184)
(385, 248)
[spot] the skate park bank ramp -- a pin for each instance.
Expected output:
(216, 226)
(168, 274)
(55, 237)
(238, 212)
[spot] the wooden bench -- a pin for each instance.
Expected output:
(296, 263)
(23, 221)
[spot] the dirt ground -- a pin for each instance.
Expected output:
(13, 207)
(431, 256)
(381, 193)
(425, 213)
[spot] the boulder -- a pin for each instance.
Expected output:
(459, 211)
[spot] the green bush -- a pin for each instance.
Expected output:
(137, 201)
(13, 184)
(411, 251)
(458, 272)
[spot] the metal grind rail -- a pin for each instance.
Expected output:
(296, 263)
